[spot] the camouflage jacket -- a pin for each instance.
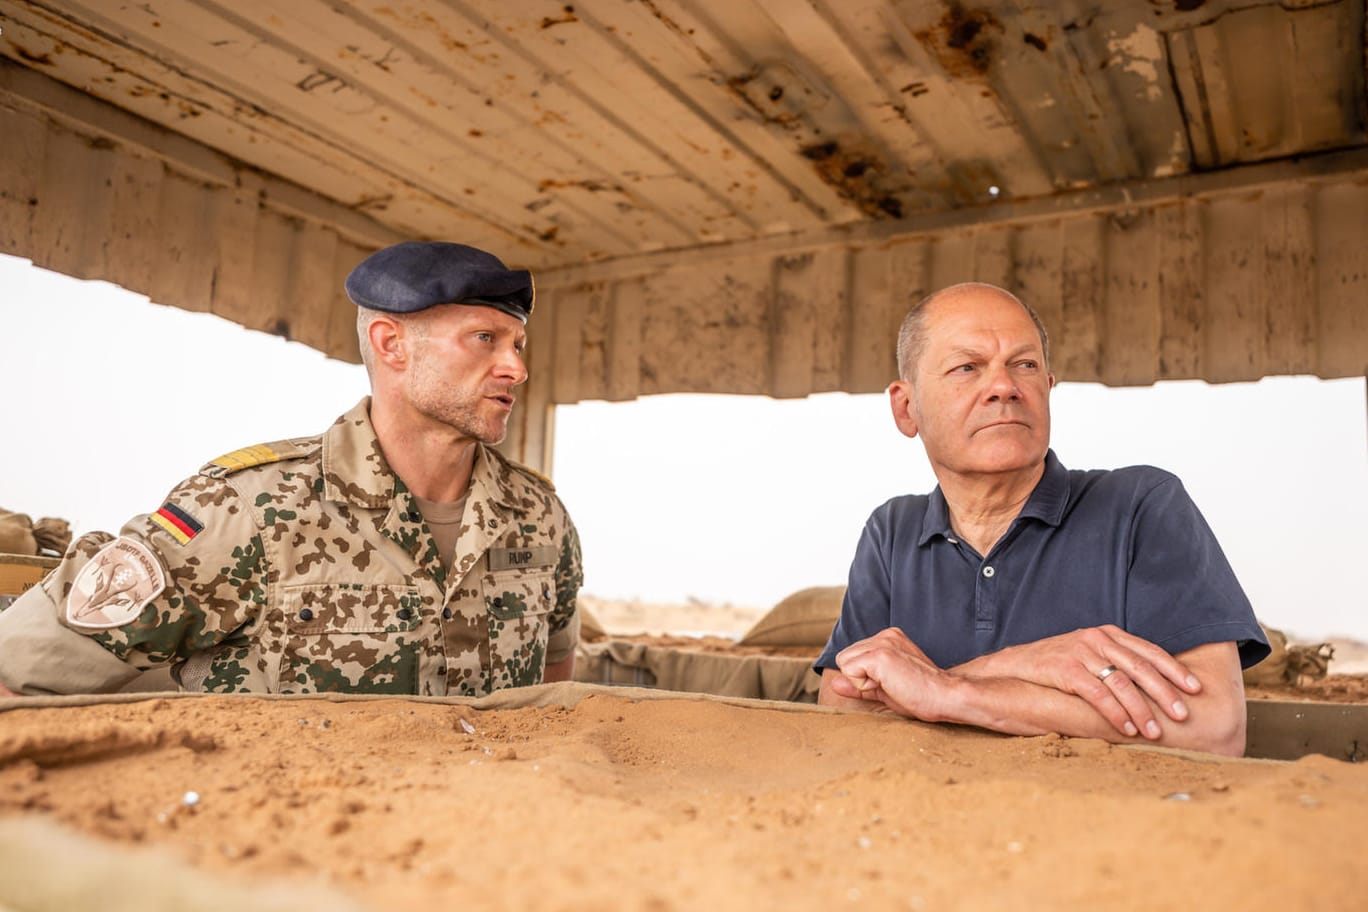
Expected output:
(305, 566)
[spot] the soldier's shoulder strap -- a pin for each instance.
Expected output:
(534, 475)
(260, 454)
(530, 472)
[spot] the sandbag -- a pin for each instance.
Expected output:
(1271, 671)
(590, 628)
(52, 534)
(21, 535)
(16, 534)
(804, 618)
(1295, 664)
(758, 677)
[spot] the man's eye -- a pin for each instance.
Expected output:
(485, 336)
(962, 369)
(1029, 365)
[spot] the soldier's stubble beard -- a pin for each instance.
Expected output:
(462, 409)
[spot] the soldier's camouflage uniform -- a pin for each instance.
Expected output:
(313, 570)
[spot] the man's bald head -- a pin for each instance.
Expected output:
(912, 333)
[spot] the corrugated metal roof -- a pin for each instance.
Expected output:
(761, 183)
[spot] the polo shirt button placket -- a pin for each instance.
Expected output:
(985, 602)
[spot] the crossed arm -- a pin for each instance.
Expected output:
(1193, 700)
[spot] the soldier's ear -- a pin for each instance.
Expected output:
(902, 400)
(386, 337)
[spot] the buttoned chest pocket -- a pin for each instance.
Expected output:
(350, 638)
(519, 604)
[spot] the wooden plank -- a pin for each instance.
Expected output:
(73, 205)
(1342, 317)
(232, 117)
(1039, 265)
(830, 295)
(1289, 262)
(571, 305)
(132, 250)
(870, 364)
(408, 84)
(1082, 284)
(793, 325)
(952, 259)
(593, 333)
(531, 428)
(848, 58)
(623, 357)
(269, 300)
(1130, 314)
(670, 42)
(311, 296)
(1323, 89)
(26, 137)
(342, 337)
(1288, 730)
(1253, 116)
(1234, 326)
(707, 330)
(912, 264)
(994, 257)
(185, 274)
(236, 214)
(1344, 165)
(1182, 289)
(1189, 79)
(602, 131)
(958, 108)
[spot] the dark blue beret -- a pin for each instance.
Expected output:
(416, 275)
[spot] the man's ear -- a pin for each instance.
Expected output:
(1051, 377)
(387, 341)
(900, 399)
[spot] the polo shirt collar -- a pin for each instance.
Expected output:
(1047, 503)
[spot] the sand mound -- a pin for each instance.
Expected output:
(658, 803)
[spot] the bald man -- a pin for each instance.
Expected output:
(1020, 596)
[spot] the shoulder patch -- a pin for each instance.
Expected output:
(112, 589)
(261, 454)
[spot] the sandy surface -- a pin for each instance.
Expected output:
(684, 804)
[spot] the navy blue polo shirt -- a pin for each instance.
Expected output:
(1125, 547)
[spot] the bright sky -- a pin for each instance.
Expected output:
(109, 400)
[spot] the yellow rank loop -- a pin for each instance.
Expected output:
(247, 457)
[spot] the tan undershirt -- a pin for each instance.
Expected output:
(444, 522)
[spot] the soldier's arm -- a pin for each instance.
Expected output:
(175, 582)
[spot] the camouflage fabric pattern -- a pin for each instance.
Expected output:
(315, 572)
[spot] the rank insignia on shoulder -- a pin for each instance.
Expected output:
(260, 454)
(534, 474)
(177, 523)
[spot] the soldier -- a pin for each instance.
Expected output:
(396, 553)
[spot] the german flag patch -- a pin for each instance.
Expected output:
(177, 523)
